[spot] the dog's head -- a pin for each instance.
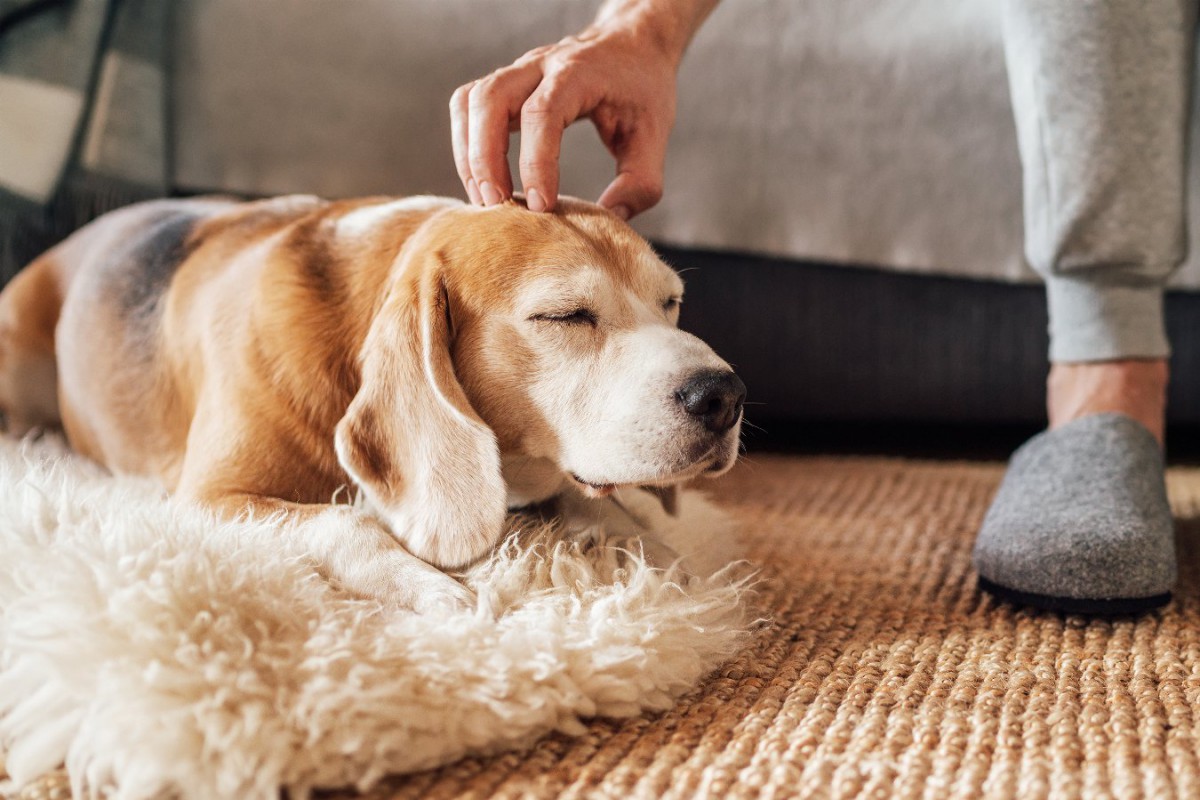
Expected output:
(548, 337)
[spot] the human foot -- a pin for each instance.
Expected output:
(1081, 522)
(1135, 388)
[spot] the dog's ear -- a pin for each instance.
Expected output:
(410, 439)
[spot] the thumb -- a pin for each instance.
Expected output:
(639, 182)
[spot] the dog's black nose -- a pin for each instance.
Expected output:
(715, 397)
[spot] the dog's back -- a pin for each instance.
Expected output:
(118, 252)
(95, 302)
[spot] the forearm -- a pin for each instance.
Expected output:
(670, 24)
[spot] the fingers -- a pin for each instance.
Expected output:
(487, 141)
(458, 133)
(480, 116)
(639, 182)
(544, 117)
(541, 94)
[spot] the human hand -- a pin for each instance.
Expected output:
(619, 73)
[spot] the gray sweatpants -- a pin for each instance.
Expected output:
(1100, 92)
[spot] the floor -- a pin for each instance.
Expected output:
(880, 670)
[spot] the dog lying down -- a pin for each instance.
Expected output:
(449, 362)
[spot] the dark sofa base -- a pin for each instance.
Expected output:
(822, 342)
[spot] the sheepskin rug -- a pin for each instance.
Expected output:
(154, 650)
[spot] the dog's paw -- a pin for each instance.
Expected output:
(364, 559)
(441, 596)
(401, 580)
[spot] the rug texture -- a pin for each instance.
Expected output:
(158, 652)
(885, 673)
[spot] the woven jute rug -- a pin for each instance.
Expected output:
(881, 670)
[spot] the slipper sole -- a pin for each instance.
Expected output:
(1100, 607)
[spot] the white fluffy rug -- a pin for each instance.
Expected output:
(156, 651)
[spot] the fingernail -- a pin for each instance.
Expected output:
(622, 212)
(490, 196)
(533, 199)
(473, 192)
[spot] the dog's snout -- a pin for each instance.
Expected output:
(715, 397)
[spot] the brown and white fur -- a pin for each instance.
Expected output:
(449, 362)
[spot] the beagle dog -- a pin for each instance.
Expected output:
(448, 362)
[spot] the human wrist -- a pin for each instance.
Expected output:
(665, 25)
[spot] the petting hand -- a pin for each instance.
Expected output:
(619, 73)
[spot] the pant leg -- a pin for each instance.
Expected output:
(1100, 92)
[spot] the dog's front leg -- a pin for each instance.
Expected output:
(357, 551)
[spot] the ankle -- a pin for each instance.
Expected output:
(1137, 388)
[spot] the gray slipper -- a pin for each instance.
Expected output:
(1081, 522)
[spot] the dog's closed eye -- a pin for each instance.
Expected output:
(579, 316)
